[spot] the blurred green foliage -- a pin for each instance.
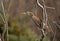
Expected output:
(20, 30)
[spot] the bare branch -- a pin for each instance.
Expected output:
(2, 18)
(50, 7)
(39, 4)
(45, 18)
(43, 7)
(5, 19)
(11, 1)
(56, 24)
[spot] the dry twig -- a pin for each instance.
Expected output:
(5, 21)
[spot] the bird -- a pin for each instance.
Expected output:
(35, 19)
(38, 22)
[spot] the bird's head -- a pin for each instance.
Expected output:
(28, 13)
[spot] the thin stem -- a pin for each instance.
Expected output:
(44, 17)
(43, 7)
(39, 4)
(56, 24)
(2, 18)
(11, 2)
(5, 24)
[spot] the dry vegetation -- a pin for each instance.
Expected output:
(30, 20)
